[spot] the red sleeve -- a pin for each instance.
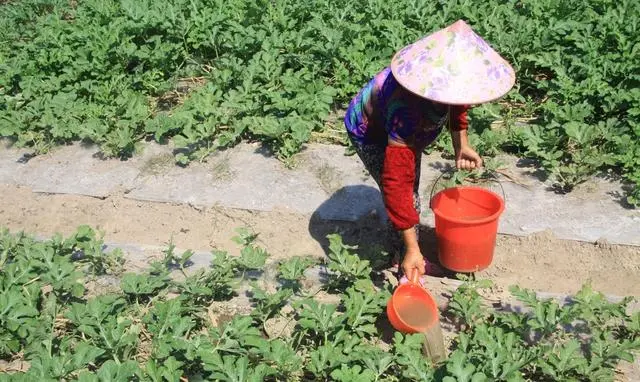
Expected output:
(398, 176)
(459, 117)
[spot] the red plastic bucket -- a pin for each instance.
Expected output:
(466, 220)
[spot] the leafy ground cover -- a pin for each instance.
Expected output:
(156, 325)
(208, 73)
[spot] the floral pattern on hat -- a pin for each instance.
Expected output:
(453, 66)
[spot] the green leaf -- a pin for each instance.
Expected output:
(346, 267)
(352, 374)
(86, 354)
(283, 358)
(252, 258)
(268, 305)
(172, 371)
(293, 269)
(362, 308)
(143, 285)
(460, 368)
(324, 359)
(244, 236)
(237, 369)
(111, 371)
(319, 318)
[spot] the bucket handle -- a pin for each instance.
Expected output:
(452, 171)
(415, 278)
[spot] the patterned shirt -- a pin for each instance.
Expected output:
(384, 109)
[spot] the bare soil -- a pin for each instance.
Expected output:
(541, 262)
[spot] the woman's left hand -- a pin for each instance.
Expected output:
(467, 158)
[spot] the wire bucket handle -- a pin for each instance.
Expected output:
(493, 178)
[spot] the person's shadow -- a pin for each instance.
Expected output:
(358, 215)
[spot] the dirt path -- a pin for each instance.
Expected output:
(541, 261)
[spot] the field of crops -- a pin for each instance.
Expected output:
(57, 323)
(208, 73)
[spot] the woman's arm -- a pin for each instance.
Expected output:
(466, 157)
(398, 177)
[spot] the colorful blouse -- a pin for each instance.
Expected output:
(384, 109)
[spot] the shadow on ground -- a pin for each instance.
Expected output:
(357, 214)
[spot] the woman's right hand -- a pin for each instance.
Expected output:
(413, 262)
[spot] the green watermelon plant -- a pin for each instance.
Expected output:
(114, 72)
(154, 326)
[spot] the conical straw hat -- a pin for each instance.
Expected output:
(453, 66)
